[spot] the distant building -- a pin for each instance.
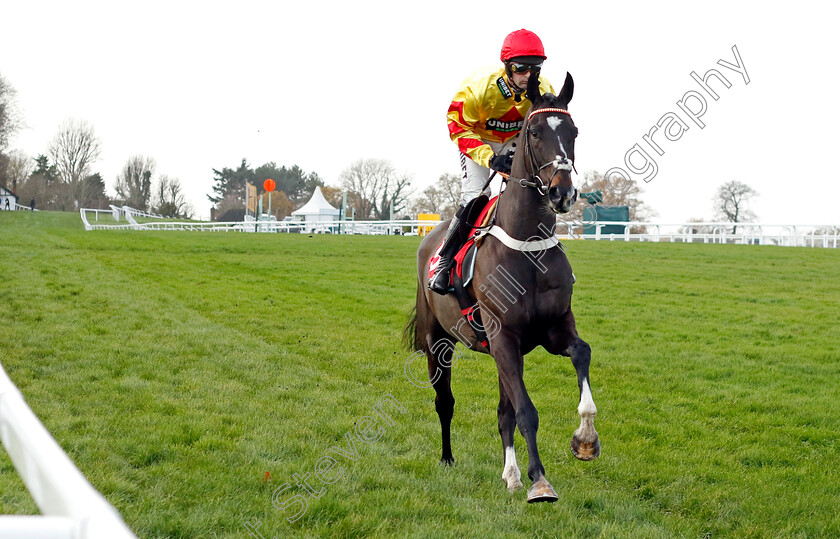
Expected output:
(8, 200)
(231, 216)
(315, 212)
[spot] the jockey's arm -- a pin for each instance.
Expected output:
(462, 117)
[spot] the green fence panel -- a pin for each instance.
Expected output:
(605, 213)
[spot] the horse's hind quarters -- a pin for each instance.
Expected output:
(541, 491)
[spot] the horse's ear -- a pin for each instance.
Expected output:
(533, 90)
(568, 90)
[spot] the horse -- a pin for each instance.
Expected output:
(523, 292)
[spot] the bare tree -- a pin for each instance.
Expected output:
(35, 188)
(18, 169)
(169, 199)
(10, 121)
(373, 186)
(731, 202)
(73, 150)
(394, 197)
(134, 182)
(9, 125)
(430, 200)
(443, 197)
(615, 192)
(450, 187)
(40, 184)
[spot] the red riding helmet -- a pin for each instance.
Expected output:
(522, 43)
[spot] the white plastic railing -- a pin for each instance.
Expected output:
(708, 232)
(140, 213)
(704, 232)
(328, 227)
(72, 508)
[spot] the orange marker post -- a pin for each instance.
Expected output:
(269, 186)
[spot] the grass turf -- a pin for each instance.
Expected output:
(177, 368)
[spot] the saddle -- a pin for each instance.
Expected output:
(479, 214)
(465, 258)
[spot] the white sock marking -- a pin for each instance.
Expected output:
(511, 474)
(587, 405)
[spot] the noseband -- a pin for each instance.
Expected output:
(560, 163)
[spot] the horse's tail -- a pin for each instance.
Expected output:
(414, 336)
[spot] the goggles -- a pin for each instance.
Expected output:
(522, 68)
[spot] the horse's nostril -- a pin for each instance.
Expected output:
(557, 194)
(554, 195)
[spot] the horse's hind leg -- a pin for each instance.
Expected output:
(585, 442)
(507, 425)
(440, 374)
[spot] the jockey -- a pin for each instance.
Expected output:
(484, 119)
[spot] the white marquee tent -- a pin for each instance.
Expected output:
(316, 211)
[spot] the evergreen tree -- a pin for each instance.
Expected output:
(232, 182)
(294, 182)
(45, 169)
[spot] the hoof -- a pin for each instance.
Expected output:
(541, 491)
(447, 461)
(586, 450)
(513, 484)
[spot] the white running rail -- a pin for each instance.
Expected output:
(71, 507)
(707, 232)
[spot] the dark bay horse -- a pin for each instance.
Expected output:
(523, 289)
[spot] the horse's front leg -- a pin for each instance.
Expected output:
(509, 362)
(507, 425)
(563, 339)
(585, 442)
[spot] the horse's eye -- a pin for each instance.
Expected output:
(534, 132)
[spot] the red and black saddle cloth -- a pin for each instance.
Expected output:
(478, 214)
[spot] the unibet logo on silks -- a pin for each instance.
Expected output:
(503, 87)
(504, 127)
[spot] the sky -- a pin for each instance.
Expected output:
(202, 85)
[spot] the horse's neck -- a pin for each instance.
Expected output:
(521, 213)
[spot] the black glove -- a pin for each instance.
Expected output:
(501, 163)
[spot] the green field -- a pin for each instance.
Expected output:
(177, 368)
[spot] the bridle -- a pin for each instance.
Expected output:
(560, 163)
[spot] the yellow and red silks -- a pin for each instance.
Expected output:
(485, 110)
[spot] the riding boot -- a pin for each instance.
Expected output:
(439, 283)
